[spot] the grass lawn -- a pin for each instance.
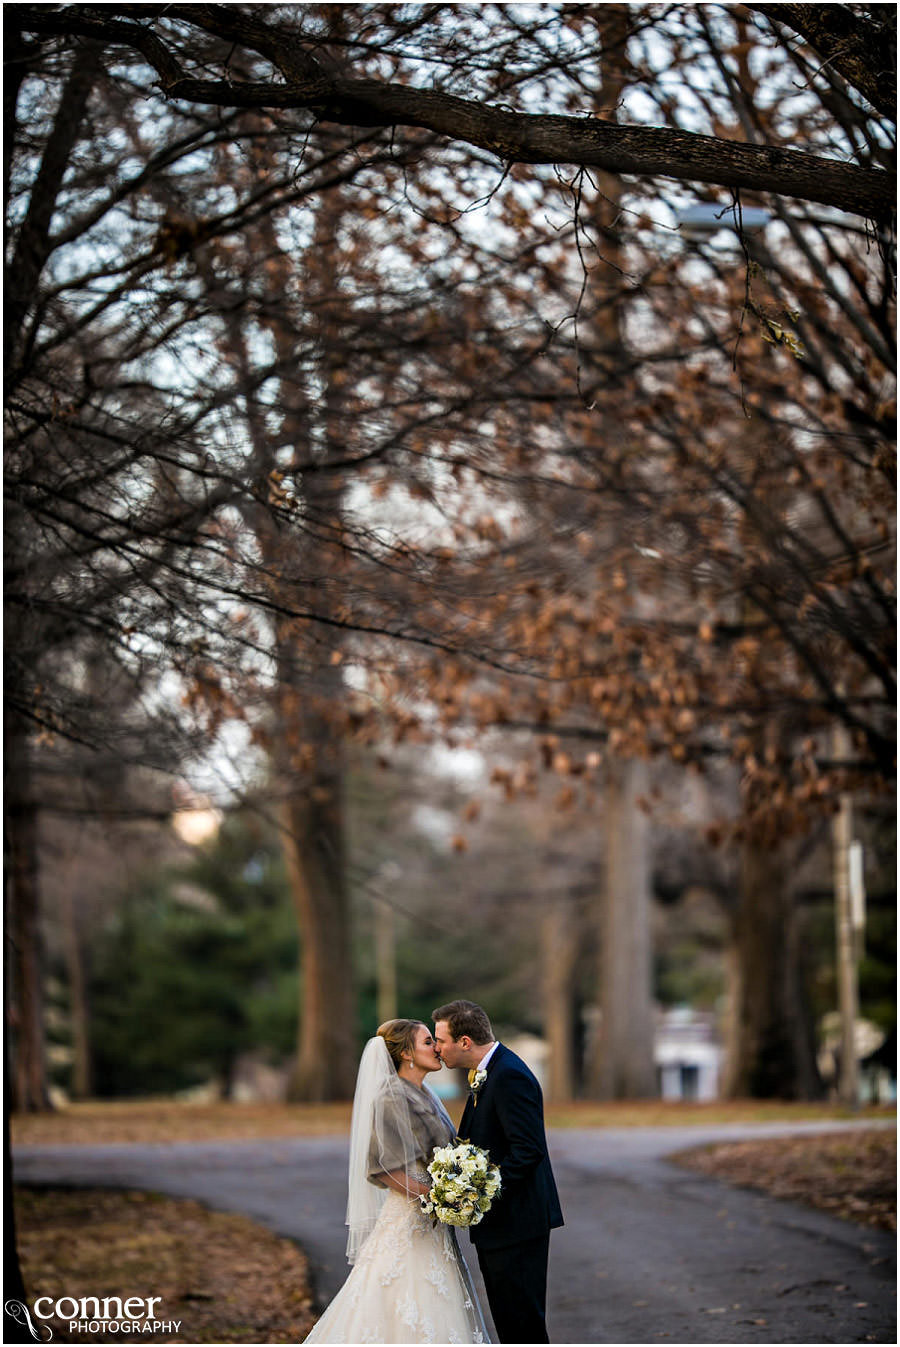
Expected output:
(159, 1120)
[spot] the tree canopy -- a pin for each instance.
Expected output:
(366, 383)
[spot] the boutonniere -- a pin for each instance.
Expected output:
(476, 1080)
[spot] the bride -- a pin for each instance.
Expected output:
(409, 1281)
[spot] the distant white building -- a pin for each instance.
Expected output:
(535, 1053)
(686, 1051)
(688, 1054)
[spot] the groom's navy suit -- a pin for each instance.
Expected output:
(506, 1118)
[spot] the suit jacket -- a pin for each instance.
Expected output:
(508, 1122)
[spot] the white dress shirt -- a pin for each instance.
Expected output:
(482, 1065)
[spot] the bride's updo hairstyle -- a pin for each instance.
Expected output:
(400, 1037)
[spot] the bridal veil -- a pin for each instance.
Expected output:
(381, 1141)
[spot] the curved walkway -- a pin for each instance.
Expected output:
(650, 1253)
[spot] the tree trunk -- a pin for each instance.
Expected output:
(310, 758)
(622, 1065)
(325, 1067)
(14, 1329)
(81, 1082)
(771, 1054)
(385, 961)
(308, 696)
(560, 943)
(327, 1048)
(26, 962)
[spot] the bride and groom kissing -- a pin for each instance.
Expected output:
(409, 1281)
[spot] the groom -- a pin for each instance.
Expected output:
(504, 1115)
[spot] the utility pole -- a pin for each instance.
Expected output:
(846, 937)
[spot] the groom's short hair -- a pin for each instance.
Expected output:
(465, 1017)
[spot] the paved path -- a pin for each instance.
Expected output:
(649, 1254)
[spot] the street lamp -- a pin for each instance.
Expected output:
(706, 218)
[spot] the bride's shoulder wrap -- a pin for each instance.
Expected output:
(406, 1128)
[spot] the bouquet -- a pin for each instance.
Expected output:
(464, 1184)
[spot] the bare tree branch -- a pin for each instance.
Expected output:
(515, 137)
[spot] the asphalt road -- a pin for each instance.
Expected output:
(649, 1254)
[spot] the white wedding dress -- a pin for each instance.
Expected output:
(409, 1284)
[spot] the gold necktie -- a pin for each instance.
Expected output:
(472, 1074)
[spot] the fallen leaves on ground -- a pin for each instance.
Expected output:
(847, 1174)
(691, 1113)
(223, 1276)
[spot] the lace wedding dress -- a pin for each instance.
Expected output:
(409, 1284)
